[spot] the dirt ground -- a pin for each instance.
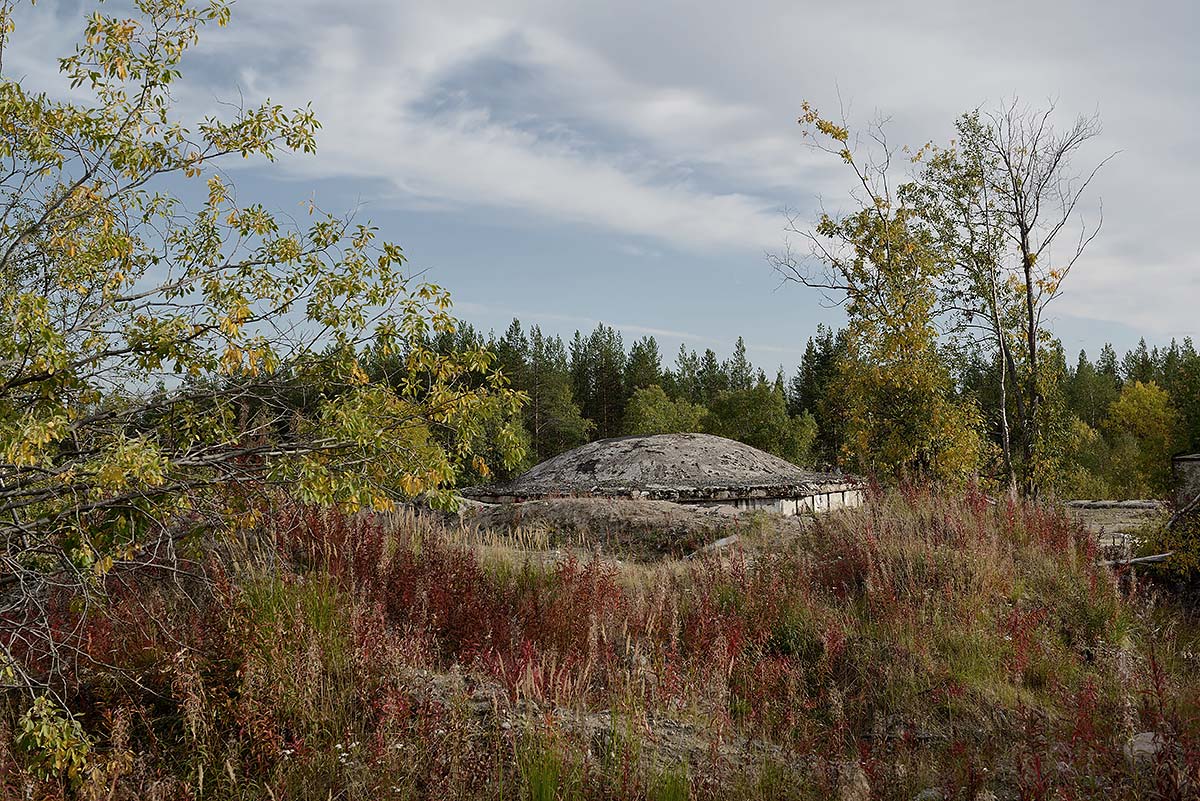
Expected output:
(1118, 517)
(640, 529)
(653, 530)
(1119, 525)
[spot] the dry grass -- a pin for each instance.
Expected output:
(927, 641)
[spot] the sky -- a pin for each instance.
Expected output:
(632, 162)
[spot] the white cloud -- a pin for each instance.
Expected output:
(473, 309)
(467, 156)
(672, 123)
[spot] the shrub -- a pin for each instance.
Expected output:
(926, 640)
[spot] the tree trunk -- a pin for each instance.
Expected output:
(1010, 476)
(1017, 394)
(1033, 386)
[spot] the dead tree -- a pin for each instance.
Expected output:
(1038, 195)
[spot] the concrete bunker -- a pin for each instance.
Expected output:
(690, 469)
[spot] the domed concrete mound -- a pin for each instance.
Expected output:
(684, 468)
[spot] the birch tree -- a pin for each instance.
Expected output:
(1006, 203)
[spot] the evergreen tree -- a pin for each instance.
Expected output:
(683, 383)
(739, 373)
(1138, 364)
(1090, 391)
(598, 377)
(1107, 363)
(644, 367)
(808, 391)
(1182, 383)
(552, 417)
(512, 355)
(1167, 363)
(817, 366)
(468, 337)
(712, 378)
(581, 371)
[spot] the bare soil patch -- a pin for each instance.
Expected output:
(641, 529)
(1118, 517)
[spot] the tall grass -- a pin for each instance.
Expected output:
(926, 641)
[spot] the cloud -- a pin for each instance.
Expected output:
(523, 109)
(671, 124)
(601, 152)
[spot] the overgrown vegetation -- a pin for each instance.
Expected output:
(217, 427)
(157, 362)
(929, 641)
(1116, 421)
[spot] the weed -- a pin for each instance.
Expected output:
(931, 641)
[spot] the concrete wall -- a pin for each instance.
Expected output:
(1186, 471)
(817, 503)
(826, 498)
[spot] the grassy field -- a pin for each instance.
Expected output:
(926, 646)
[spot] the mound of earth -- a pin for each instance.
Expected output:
(645, 529)
(1118, 525)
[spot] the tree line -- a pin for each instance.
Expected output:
(1115, 421)
(594, 387)
(946, 259)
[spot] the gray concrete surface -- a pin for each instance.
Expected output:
(683, 468)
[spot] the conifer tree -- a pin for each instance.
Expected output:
(712, 379)
(598, 375)
(739, 373)
(552, 417)
(512, 355)
(1107, 363)
(644, 367)
(808, 391)
(1090, 391)
(1182, 382)
(1138, 364)
(684, 381)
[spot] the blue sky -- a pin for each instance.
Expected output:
(630, 162)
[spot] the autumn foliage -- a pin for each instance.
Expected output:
(928, 641)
